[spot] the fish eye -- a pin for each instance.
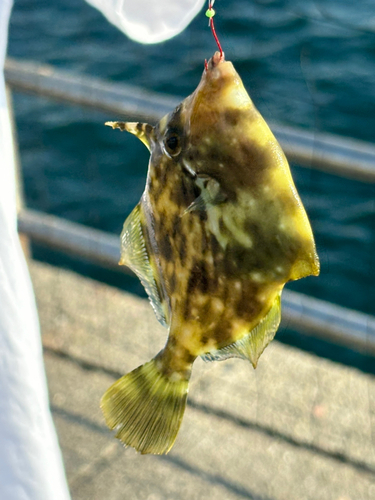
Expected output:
(172, 144)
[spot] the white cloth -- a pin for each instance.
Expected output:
(30, 460)
(149, 21)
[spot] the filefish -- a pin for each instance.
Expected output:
(219, 230)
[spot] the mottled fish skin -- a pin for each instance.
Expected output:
(222, 266)
(221, 229)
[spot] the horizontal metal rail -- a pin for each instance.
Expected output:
(75, 239)
(336, 155)
(113, 98)
(306, 314)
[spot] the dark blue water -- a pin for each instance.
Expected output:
(307, 64)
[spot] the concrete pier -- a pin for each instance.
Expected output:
(297, 428)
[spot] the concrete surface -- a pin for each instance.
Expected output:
(297, 428)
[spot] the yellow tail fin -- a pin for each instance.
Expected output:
(146, 407)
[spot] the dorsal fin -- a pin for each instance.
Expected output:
(134, 254)
(253, 344)
(144, 131)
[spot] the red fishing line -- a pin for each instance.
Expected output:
(211, 21)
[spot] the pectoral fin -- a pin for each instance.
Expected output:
(211, 194)
(143, 131)
(134, 254)
(253, 344)
(197, 205)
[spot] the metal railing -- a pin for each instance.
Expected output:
(336, 155)
(345, 157)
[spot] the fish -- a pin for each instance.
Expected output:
(218, 232)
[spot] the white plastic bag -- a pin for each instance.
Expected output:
(149, 21)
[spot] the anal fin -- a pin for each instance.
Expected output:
(252, 345)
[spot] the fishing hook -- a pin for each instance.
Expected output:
(210, 14)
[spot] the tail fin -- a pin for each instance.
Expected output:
(146, 407)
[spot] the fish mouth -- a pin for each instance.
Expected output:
(218, 68)
(220, 89)
(216, 59)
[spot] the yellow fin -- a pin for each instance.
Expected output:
(253, 344)
(211, 194)
(135, 255)
(143, 131)
(145, 408)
